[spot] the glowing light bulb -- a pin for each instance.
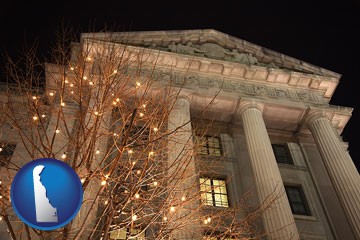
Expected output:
(72, 68)
(103, 182)
(96, 113)
(63, 104)
(66, 81)
(155, 183)
(34, 97)
(209, 219)
(205, 221)
(144, 105)
(85, 77)
(71, 85)
(35, 118)
(114, 103)
(97, 151)
(57, 131)
(183, 198)
(134, 217)
(141, 114)
(1, 149)
(1, 218)
(115, 71)
(172, 209)
(72, 92)
(156, 129)
(0, 197)
(88, 58)
(91, 83)
(63, 156)
(151, 154)
(43, 115)
(138, 172)
(118, 99)
(130, 151)
(106, 202)
(165, 219)
(138, 84)
(82, 180)
(51, 94)
(137, 195)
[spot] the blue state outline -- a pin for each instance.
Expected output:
(58, 162)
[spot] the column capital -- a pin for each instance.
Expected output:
(315, 115)
(250, 103)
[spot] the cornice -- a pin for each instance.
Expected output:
(324, 85)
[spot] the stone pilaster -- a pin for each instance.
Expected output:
(341, 169)
(278, 219)
(182, 171)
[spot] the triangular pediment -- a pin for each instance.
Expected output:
(212, 44)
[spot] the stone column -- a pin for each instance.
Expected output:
(278, 219)
(341, 169)
(182, 171)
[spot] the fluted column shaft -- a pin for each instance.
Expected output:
(278, 219)
(341, 169)
(182, 171)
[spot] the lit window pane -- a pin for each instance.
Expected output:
(214, 192)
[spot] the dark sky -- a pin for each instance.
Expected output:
(323, 33)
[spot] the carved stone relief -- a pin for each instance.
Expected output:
(192, 81)
(215, 51)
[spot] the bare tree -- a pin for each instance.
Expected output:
(104, 109)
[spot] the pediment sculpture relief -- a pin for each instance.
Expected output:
(214, 51)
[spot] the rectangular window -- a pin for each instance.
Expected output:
(282, 153)
(217, 237)
(128, 233)
(213, 192)
(6, 152)
(210, 145)
(297, 200)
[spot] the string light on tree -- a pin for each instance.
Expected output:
(63, 156)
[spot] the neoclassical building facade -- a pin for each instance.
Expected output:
(270, 123)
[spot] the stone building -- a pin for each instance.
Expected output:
(271, 125)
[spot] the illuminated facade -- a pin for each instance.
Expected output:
(272, 128)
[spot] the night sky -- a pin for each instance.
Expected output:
(322, 33)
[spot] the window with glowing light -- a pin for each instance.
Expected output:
(216, 236)
(210, 145)
(213, 192)
(6, 152)
(128, 233)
